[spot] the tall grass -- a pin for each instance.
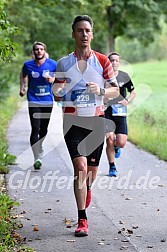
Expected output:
(148, 122)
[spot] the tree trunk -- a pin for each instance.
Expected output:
(110, 44)
(111, 39)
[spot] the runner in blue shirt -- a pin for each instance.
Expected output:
(39, 73)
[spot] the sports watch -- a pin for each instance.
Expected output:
(102, 91)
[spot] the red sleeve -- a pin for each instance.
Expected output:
(108, 72)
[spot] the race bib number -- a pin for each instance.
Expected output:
(42, 90)
(119, 110)
(82, 98)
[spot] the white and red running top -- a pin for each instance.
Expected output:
(77, 99)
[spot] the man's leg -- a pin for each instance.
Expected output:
(80, 191)
(82, 162)
(121, 135)
(80, 186)
(120, 140)
(44, 122)
(110, 151)
(110, 147)
(91, 176)
(35, 127)
(84, 177)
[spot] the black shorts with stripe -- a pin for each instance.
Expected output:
(84, 136)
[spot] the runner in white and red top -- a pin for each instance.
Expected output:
(80, 84)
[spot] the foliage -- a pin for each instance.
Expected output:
(133, 51)
(8, 47)
(50, 22)
(6, 159)
(134, 19)
(9, 224)
(6, 222)
(7, 108)
(8, 77)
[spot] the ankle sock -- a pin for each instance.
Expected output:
(111, 165)
(82, 214)
(116, 148)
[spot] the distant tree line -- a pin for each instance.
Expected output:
(137, 29)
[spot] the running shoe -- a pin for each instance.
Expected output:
(113, 171)
(88, 198)
(82, 229)
(37, 164)
(117, 151)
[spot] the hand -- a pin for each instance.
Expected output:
(124, 102)
(93, 88)
(22, 92)
(50, 79)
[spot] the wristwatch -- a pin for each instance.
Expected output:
(102, 91)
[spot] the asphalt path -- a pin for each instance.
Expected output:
(127, 213)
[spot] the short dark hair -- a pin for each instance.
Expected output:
(113, 53)
(81, 18)
(38, 43)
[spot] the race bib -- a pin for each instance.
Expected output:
(82, 98)
(42, 90)
(119, 110)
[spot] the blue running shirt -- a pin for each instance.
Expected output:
(39, 90)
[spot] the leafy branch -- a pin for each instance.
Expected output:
(8, 47)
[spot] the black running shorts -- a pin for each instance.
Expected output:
(84, 136)
(120, 122)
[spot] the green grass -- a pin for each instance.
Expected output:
(148, 122)
(7, 110)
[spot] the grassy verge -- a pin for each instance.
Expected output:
(10, 240)
(148, 122)
(7, 109)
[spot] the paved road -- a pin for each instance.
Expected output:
(127, 213)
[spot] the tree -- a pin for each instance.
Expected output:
(50, 22)
(8, 47)
(134, 19)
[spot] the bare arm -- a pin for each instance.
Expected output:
(23, 84)
(131, 96)
(128, 99)
(110, 92)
